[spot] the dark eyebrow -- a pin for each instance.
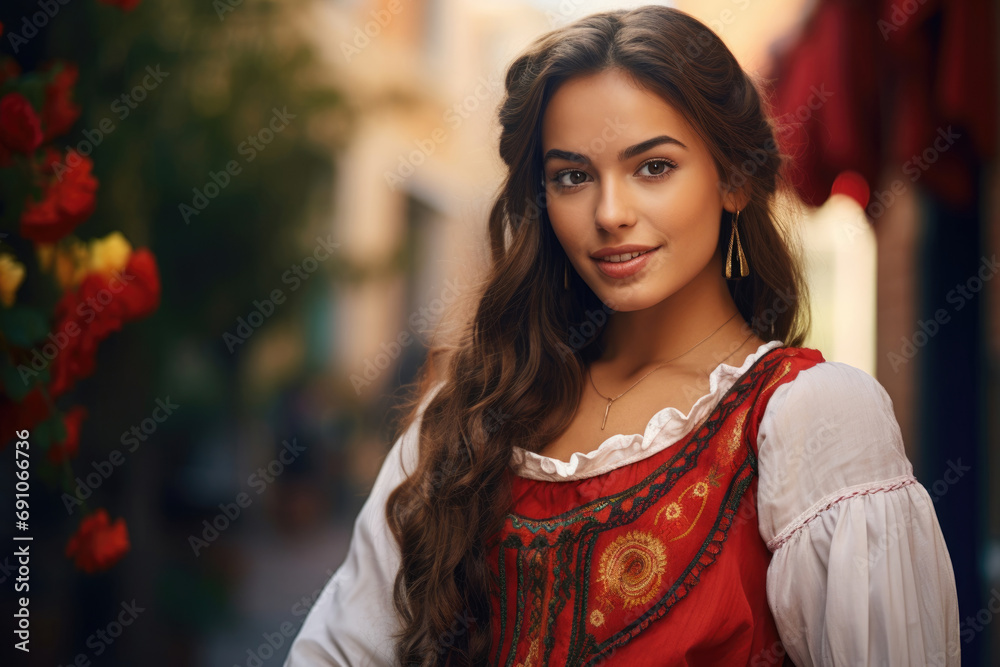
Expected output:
(631, 151)
(644, 146)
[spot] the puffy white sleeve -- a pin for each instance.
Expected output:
(350, 623)
(860, 574)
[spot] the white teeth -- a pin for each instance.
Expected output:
(622, 258)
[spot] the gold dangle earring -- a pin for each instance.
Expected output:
(744, 264)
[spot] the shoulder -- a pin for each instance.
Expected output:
(400, 462)
(832, 394)
(829, 432)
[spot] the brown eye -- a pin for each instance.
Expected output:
(576, 177)
(657, 168)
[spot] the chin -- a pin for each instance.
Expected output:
(627, 303)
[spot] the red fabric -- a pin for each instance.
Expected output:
(924, 70)
(656, 562)
(853, 185)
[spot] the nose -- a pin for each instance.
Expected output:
(614, 208)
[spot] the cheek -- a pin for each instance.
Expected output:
(566, 224)
(687, 212)
(680, 223)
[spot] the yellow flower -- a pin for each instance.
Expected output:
(45, 252)
(71, 262)
(72, 259)
(11, 277)
(700, 489)
(110, 253)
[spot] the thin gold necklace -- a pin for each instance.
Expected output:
(612, 400)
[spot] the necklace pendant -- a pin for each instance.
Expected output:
(606, 409)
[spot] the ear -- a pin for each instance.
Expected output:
(735, 200)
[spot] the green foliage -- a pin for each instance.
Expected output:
(221, 77)
(22, 325)
(48, 431)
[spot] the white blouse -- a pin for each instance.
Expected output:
(860, 573)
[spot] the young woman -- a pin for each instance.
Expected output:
(629, 459)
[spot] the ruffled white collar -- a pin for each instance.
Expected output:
(664, 429)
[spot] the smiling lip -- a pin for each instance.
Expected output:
(626, 268)
(621, 250)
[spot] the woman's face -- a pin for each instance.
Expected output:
(625, 172)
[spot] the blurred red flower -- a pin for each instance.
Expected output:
(125, 5)
(98, 544)
(20, 127)
(69, 199)
(60, 451)
(59, 111)
(9, 69)
(102, 303)
(24, 415)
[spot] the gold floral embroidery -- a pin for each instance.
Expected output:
(713, 476)
(671, 512)
(632, 566)
(733, 442)
(698, 489)
(597, 618)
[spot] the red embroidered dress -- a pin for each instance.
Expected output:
(659, 562)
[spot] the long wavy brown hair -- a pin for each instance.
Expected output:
(514, 374)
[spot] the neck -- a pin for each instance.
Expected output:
(635, 340)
